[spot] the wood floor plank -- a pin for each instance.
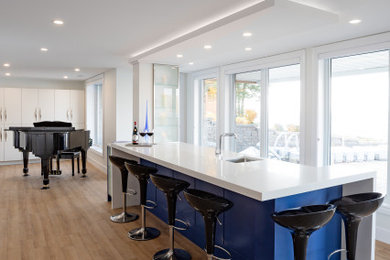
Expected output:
(71, 220)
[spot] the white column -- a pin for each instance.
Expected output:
(142, 92)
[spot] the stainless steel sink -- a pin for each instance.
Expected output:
(243, 159)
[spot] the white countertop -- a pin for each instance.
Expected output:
(261, 180)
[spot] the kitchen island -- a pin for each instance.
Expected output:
(257, 189)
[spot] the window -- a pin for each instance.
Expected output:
(284, 113)
(358, 111)
(208, 124)
(247, 99)
(267, 113)
(94, 108)
(166, 103)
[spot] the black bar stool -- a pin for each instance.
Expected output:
(123, 217)
(353, 209)
(210, 206)
(171, 187)
(302, 222)
(142, 173)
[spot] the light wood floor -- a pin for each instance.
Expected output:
(71, 220)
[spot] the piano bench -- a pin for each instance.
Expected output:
(69, 155)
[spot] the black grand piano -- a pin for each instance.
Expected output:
(46, 139)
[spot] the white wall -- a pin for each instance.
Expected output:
(124, 103)
(183, 107)
(117, 111)
(109, 119)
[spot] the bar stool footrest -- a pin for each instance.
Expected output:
(223, 250)
(186, 225)
(154, 204)
(336, 251)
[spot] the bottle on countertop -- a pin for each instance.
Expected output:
(135, 134)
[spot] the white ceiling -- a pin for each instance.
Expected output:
(285, 26)
(97, 34)
(100, 34)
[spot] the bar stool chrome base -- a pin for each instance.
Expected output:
(143, 234)
(169, 254)
(124, 217)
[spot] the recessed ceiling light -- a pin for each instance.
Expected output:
(190, 63)
(179, 55)
(8, 74)
(58, 22)
(65, 77)
(44, 49)
(207, 46)
(355, 21)
(247, 34)
(77, 69)
(248, 49)
(6, 65)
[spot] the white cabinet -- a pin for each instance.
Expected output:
(69, 106)
(11, 109)
(10, 115)
(29, 106)
(37, 105)
(46, 105)
(62, 104)
(10, 152)
(77, 100)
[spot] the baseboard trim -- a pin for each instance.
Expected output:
(97, 164)
(383, 235)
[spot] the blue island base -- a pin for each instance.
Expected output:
(247, 230)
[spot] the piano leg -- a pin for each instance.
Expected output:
(45, 165)
(25, 163)
(83, 163)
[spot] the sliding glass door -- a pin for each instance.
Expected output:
(267, 113)
(358, 111)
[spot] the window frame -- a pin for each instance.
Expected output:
(195, 113)
(97, 80)
(263, 65)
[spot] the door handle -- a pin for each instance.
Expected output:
(5, 114)
(1, 114)
(67, 114)
(71, 114)
(1, 134)
(6, 136)
(35, 114)
(40, 115)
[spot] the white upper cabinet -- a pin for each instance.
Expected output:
(29, 106)
(62, 105)
(46, 105)
(11, 109)
(77, 107)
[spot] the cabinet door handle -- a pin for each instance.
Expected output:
(5, 114)
(35, 114)
(1, 114)
(5, 135)
(40, 115)
(67, 114)
(71, 114)
(1, 134)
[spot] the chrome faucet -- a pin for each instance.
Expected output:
(218, 148)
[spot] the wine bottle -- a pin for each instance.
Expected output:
(135, 134)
